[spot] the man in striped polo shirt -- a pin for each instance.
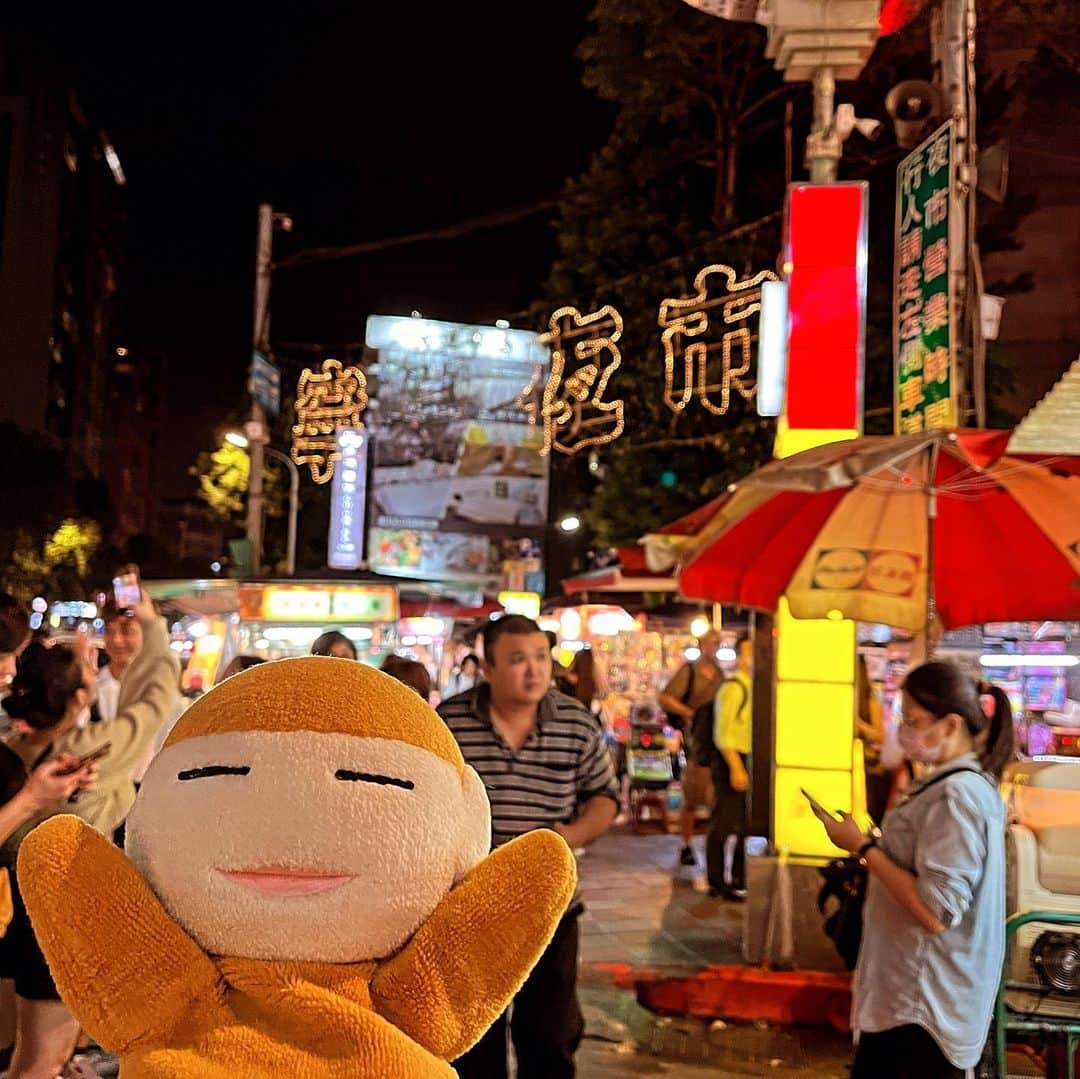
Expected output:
(543, 761)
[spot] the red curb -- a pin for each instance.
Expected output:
(810, 997)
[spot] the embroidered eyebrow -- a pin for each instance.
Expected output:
(369, 777)
(213, 770)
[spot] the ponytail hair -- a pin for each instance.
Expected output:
(943, 689)
(999, 746)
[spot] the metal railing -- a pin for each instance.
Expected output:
(1008, 1020)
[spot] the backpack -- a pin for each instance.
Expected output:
(676, 722)
(702, 745)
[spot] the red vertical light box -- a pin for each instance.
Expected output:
(825, 266)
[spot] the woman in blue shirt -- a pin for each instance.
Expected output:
(934, 919)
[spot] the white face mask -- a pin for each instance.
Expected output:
(913, 743)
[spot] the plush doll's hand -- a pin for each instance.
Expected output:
(466, 962)
(124, 967)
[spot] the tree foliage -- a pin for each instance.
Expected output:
(658, 202)
(55, 536)
(62, 565)
(223, 480)
(223, 476)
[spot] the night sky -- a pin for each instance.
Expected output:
(370, 121)
(362, 121)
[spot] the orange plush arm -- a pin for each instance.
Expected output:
(466, 962)
(128, 972)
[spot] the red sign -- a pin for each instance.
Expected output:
(896, 14)
(825, 266)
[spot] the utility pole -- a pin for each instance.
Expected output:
(823, 145)
(255, 428)
(953, 53)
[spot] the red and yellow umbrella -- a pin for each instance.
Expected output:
(893, 530)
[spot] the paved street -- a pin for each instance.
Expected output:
(648, 913)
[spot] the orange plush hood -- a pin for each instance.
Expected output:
(323, 695)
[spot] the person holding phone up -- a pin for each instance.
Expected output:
(147, 698)
(933, 936)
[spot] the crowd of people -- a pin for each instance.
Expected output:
(79, 736)
(77, 740)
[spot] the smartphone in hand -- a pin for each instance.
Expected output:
(126, 589)
(820, 811)
(90, 758)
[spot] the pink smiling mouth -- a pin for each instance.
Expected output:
(283, 882)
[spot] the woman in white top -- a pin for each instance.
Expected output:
(934, 920)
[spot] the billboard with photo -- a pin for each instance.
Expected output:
(458, 481)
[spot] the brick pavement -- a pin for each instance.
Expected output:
(647, 914)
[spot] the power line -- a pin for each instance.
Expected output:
(446, 232)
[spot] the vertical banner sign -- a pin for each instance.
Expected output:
(348, 493)
(924, 340)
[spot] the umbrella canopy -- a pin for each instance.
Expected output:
(892, 529)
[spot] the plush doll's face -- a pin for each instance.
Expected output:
(304, 846)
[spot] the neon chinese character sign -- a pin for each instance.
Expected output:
(575, 411)
(708, 340)
(325, 401)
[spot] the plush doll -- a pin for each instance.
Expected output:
(308, 893)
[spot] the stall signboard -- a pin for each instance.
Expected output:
(457, 462)
(923, 329)
(348, 494)
(330, 604)
(524, 603)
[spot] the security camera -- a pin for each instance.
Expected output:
(869, 129)
(847, 121)
(915, 106)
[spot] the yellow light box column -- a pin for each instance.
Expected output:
(815, 708)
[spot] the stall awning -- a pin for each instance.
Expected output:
(198, 598)
(445, 607)
(630, 574)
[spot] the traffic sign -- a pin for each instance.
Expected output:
(264, 383)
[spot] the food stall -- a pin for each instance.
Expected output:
(1036, 664)
(280, 620)
(578, 627)
(213, 620)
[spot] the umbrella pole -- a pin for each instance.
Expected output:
(931, 519)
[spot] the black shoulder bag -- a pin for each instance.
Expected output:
(843, 894)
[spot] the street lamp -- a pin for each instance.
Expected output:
(570, 523)
(241, 441)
